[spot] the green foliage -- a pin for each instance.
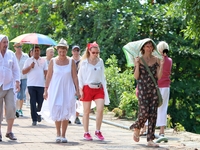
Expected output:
(105, 110)
(121, 89)
(179, 127)
(117, 82)
(191, 10)
(169, 121)
(185, 91)
(118, 112)
(129, 104)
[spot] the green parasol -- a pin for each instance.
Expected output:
(132, 50)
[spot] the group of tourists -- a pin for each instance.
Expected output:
(57, 84)
(60, 80)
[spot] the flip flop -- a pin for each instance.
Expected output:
(136, 135)
(152, 144)
(136, 138)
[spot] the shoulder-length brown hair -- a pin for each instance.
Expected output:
(142, 49)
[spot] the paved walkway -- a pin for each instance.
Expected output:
(117, 137)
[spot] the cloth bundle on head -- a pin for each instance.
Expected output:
(62, 43)
(90, 45)
(133, 50)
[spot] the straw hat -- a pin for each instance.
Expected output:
(62, 43)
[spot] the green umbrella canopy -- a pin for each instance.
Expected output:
(132, 50)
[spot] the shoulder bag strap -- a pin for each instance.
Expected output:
(145, 64)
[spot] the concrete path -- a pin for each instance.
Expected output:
(117, 137)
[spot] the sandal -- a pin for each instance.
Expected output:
(136, 136)
(152, 144)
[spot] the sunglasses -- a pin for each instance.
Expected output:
(95, 52)
(18, 46)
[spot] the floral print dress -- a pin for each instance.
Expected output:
(148, 100)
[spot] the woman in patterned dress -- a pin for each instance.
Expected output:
(147, 94)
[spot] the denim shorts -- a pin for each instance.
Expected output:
(21, 95)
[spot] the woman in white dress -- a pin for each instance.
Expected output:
(61, 87)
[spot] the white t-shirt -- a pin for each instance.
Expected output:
(35, 77)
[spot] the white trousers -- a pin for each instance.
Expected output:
(162, 110)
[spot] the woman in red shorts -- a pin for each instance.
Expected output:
(92, 84)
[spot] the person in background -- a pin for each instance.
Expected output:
(30, 53)
(164, 86)
(49, 54)
(147, 93)
(61, 88)
(36, 69)
(21, 95)
(76, 57)
(9, 84)
(92, 84)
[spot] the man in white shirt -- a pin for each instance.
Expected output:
(36, 69)
(9, 77)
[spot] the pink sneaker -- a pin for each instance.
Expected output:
(87, 137)
(99, 135)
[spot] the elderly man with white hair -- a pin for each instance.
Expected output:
(49, 54)
(9, 77)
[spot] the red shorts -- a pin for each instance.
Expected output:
(90, 94)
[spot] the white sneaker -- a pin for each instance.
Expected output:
(63, 140)
(58, 139)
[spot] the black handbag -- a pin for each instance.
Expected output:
(160, 99)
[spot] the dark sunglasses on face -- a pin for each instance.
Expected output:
(18, 46)
(95, 52)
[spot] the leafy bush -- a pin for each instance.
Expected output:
(118, 112)
(117, 82)
(179, 127)
(121, 89)
(129, 104)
